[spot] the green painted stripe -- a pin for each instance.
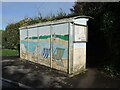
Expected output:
(64, 37)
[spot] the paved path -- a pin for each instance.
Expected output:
(35, 76)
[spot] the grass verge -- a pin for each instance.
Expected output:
(9, 52)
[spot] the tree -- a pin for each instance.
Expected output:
(104, 31)
(87, 8)
(1, 32)
(11, 36)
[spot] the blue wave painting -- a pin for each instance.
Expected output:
(32, 46)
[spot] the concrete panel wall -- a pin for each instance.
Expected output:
(32, 44)
(44, 45)
(79, 56)
(23, 44)
(36, 43)
(60, 38)
(80, 33)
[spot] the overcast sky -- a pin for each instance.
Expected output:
(16, 11)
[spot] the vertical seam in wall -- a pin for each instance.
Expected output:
(69, 49)
(73, 28)
(38, 44)
(70, 63)
(27, 41)
(51, 47)
(20, 42)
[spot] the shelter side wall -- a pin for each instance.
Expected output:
(79, 48)
(46, 45)
(79, 56)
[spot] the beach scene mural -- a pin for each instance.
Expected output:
(60, 40)
(36, 45)
(23, 46)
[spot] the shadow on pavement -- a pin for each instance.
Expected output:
(37, 76)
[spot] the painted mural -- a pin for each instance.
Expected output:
(60, 50)
(36, 46)
(23, 46)
(60, 40)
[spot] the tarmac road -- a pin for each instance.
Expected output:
(8, 85)
(36, 76)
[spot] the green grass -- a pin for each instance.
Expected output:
(9, 52)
